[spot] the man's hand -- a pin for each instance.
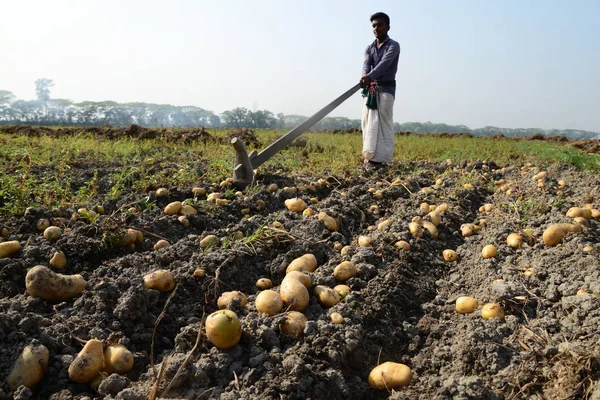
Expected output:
(365, 80)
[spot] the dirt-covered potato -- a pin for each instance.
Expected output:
(390, 375)
(295, 205)
(188, 210)
(331, 224)
(162, 192)
(450, 255)
(30, 367)
(345, 271)
(431, 228)
(336, 318)
(305, 263)
(514, 240)
(415, 229)
(225, 298)
(327, 296)
(88, 363)
(467, 230)
(117, 359)
(209, 241)
(42, 282)
(173, 208)
(365, 241)
(161, 244)
(42, 224)
(402, 244)
(466, 304)
(264, 283)
(384, 224)
(343, 290)
(58, 260)
(52, 233)
(492, 310)
(198, 191)
(268, 302)
(161, 280)
(554, 234)
(489, 251)
(293, 323)
(9, 248)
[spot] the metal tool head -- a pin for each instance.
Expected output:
(243, 173)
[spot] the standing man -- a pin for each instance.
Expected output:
(379, 87)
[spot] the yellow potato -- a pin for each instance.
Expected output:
(162, 192)
(293, 323)
(58, 260)
(384, 224)
(161, 280)
(268, 302)
(309, 212)
(390, 375)
(492, 310)
(272, 187)
(435, 218)
(336, 318)
(161, 244)
(467, 230)
(183, 220)
(95, 383)
(450, 255)
(42, 224)
(415, 229)
(295, 205)
(9, 248)
(343, 290)
(514, 240)
(424, 207)
(294, 293)
(213, 197)
(331, 224)
(554, 234)
(139, 236)
(595, 214)
(431, 229)
(466, 304)
(489, 251)
(327, 296)
(173, 208)
(187, 210)
(401, 244)
(117, 359)
(579, 212)
(345, 271)
(52, 233)
(42, 282)
(209, 241)
(225, 298)
(301, 276)
(264, 283)
(305, 263)
(30, 367)
(198, 191)
(223, 328)
(365, 241)
(88, 363)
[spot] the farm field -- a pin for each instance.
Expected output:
(393, 224)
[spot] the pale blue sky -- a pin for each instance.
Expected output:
(511, 63)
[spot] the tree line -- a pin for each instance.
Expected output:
(47, 111)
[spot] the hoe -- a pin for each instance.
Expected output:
(245, 164)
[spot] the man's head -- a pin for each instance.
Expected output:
(381, 25)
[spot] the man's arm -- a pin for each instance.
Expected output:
(364, 79)
(390, 54)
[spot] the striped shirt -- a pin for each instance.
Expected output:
(381, 63)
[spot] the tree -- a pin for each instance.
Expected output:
(42, 89)
(6, 98)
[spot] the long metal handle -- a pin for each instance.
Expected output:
(300, 129)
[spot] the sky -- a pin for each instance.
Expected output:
(510, 63)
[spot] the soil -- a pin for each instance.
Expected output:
(401, 307)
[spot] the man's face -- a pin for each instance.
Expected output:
(380, 28)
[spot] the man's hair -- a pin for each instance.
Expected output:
(382, 16)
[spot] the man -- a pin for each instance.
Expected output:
(379, 87)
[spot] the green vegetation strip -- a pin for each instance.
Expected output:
(77, 170)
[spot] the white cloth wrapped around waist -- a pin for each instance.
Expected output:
(378, 129)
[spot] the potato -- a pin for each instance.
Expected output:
(581, 221)
(198, 191)
(579, 212)
(139, 236)
(343, 290)
(327, 296)
(331, 224)
(492, 310)
(88, 363)
(384, 224)
(223, 329)
(345, 271)
(595, 214)
(441, 208)
(554, 234)
(58, 260)
(117, 359)
(278, 225)
(95, 383)
(293, 323)
(345, 250)
(268, 302)
(199, 273)
(294, 293)
(309, 212)
(489, 251)
(539, 175)
(415, 229)
(424, 207)
(225, 298)
(450, 255)
(161, 280)
(209, 241)
(162, 192)
(184, 221)
(435, 218)
(365, 241)
(295, 205)
(42, 282)
(305, 263)
(466, 304)
(264, 283)
(514, 240)
(52, 233)
(42, 224)
(161, 244)
(404, 245)
(173, 208)
(30, 367)
(336, 318)
(431, 229)
(390, 375)
(303, 277)
(467, 230)
(188, 210)
(9, 248)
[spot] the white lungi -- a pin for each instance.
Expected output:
(378, 129)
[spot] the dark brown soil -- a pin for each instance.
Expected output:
(401, 307)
